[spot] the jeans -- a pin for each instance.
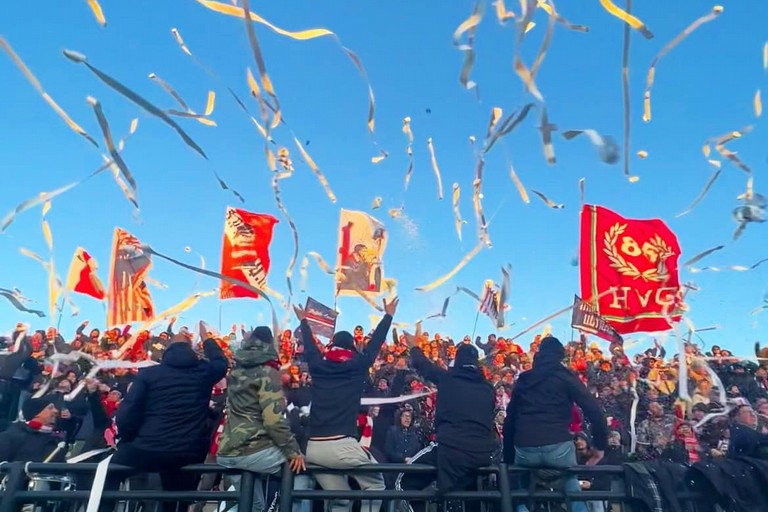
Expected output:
(560, 455)
(265, 462)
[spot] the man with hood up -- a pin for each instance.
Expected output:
(338, 382)
(536, 431)
(464, 421)
(257, 436)
(162, 422)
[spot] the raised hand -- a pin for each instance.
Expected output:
(390, 307)
(300, 313)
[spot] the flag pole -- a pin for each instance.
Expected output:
(474, 328)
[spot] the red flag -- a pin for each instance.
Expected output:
(82, 277)
(637, 261)
(129, 299)
(245, 251)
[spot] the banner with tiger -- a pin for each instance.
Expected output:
(629, 270)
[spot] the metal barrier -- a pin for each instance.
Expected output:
(502, 494)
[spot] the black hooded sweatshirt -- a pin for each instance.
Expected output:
(539, 413)
(167, 406)
(464, 416)
(337, 387)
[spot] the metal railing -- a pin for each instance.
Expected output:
(506, 492)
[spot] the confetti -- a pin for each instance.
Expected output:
(379, 158)
(627, 18)
(703, 193)
(376, 203)
(502, 14)
(716, 11)
(97, 12)
(471, 139)
(135, 98)
(625, 89)
(315, 169)
(456, 214)
(642, 154)
(224, 186)
(548, 201)
(104, 125)
(510, 123)
(477, 198)
(519, 184)
(16, 301)
(395, 212)
(435, 168)
(468, 26)
(702, 255)
(294, 232)
(758, 104)
(546, 129)
(434, 284)
(180, 41)
(41, 198)
(261, 293)
(550, 9)
(39, 88)
(607, 149)
(303, 35)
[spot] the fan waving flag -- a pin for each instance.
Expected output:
(245, 251)
(629, 271)
(321, 318)
(359, 261)
(82, 277)
(129, 299)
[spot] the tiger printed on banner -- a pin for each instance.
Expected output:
(629, 271)
(245, 251)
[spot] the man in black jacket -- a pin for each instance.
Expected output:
(35, 439)
(338, 383)
(536, 430)
(162, 421)
(464, 420)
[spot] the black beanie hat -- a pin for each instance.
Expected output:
(262, 334)
(343, 339)
(466, 355)
(34, 406)
(551, 347)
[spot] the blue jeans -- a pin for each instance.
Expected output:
(265, 462)
(560, 455)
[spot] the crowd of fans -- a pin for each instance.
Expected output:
(75, 399)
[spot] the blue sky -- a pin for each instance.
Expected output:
(704, 88)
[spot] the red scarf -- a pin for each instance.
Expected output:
(339, 355)
(39, 427)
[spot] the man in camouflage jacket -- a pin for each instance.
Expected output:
(257, 436)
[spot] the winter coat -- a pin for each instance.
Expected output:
(166, 409)
(402, 443)
(256, 405)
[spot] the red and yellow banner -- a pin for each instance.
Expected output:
(245, 251)
(83, 277)
(129, 298)
(630, 266)
(359, 260)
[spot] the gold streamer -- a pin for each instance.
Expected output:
(170, 90)
(652, 69)
(519, 184)
(765, 56)
(502, 14)
(294, 231)
(703, 193)
(135, 98)
(434, 284)
(468, 26)
(41, 198)
(506, 127)
(104, 124)
(702, 255)
(642, 154)
(625, 89)
(567, 24)
(315, 169)
(39, 88)
(46, 227)
(547, 38)
(97, 12)
(758, 103)
(456, 214)
(546, 128)
(380, 158)
(627, 18)
(435, 168)
(548, 201)
(302, 35)
(408, 149)
(477, 198)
